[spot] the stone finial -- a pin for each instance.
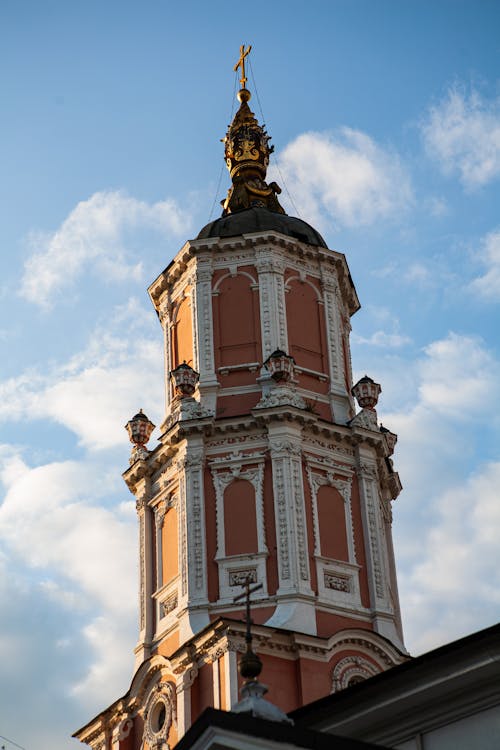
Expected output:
(185, 380)
(280, 366)
(139, 430)
(366, 392)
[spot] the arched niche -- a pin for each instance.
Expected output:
(181, 344)
(236, 321)
(306, 325)
(170, 546)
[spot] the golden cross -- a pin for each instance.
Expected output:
(241, 64)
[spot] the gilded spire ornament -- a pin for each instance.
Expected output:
(247, 153)
(241, 64)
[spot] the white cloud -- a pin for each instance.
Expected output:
(456, 374)
(463, 133)
(347, 175)
(417, 273)
(109, 637)
(97, 236)
(59, 521)
(437, 207)
(51, 517)
(457, 581)
(488, 285)
(98, 389)
(447, 519)
(383, 339)
(388, 339)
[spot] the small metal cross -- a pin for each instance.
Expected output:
(246, 593)
(241, 64)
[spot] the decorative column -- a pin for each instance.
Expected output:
(295, 609)
(159, 514)
(139, 429)
(193, 540)
(272, 300)
(204, 334)
(339, 398)
(183, 686)
(164, 315)
(368, 488)
(146, 568)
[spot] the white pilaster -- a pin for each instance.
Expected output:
(270, 268)
(339, 398)
(230, 662)
(194, 587)
(295, 608)
(146, 571)
(204, 334)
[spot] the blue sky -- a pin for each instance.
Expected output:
(386, 122)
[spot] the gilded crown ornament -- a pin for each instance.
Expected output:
(247, 152)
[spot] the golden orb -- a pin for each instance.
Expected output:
(243, 95)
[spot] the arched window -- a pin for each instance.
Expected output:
(332, 524)
(240, 521)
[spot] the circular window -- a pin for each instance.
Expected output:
(158, 717)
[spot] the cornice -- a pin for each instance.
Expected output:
(195, 248)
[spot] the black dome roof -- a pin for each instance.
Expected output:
(257, 219)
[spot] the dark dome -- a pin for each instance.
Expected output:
(261, 220)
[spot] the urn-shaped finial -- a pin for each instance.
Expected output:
(366, 392)
(280, 366)
(139, 430)
(184, 379)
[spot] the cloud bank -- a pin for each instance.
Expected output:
(99, 388)
(447, 519)
(487, 286)
(462, 132)
(345, 174)
(96, 235)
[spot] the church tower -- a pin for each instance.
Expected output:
(264, 473)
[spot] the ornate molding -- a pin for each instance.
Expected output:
(351, 667)
(227, 469)
(368, 476)
(142, 568)
(367, 419)
(282, 521)
(185, 410)
(281, 396)
(344, 487)
(300, 520)
(159, 714)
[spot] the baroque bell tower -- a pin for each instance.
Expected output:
(264, 473)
